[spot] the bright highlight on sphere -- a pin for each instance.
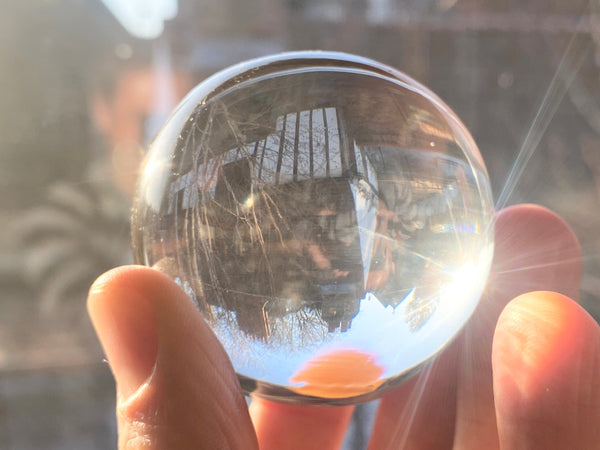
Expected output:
(329, 216)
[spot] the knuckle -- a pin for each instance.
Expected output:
(138, 420)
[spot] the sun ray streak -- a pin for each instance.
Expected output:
(569, 65)
(538, 266)
(377, 235)
(408, 415)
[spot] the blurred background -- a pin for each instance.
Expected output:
(87, 83)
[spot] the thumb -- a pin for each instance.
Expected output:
(176, 387)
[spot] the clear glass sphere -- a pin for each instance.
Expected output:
(330, 217)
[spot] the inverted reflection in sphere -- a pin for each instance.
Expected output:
(330, 217)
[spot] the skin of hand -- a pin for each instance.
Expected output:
(523, 374)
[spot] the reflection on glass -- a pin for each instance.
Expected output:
(319, 209)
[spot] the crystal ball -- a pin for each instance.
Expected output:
(329, 216)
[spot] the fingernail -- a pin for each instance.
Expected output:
(125, 324)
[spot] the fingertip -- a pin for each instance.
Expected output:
(539, 327)
(110, 287)
(534, 249)
(124, 321)
(281, 425)
(130, 277)
(546, 359)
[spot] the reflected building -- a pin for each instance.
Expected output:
(276, 214)
(283, 216)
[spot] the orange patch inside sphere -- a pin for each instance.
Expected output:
(338, 374)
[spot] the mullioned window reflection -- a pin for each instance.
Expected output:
(304, 222)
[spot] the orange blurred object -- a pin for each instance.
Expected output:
(338, 374)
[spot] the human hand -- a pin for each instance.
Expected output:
(531, 381)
